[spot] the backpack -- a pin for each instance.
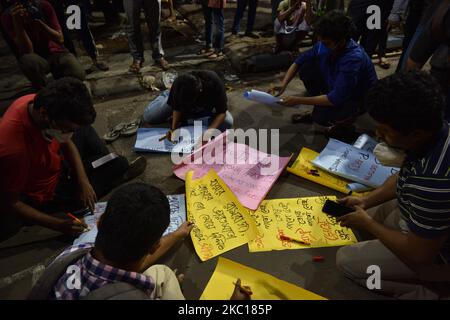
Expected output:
(43, 288)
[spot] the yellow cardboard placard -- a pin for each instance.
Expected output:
(263, 285)
(302, 165)
(221, 222)
(298, 218)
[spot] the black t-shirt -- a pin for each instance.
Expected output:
(212, 99)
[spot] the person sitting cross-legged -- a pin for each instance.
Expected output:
(47, 147)
(121, 264)
(38, 41)
(409, 215)
(197, 95)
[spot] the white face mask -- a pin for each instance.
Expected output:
(58, 135)
(389, 156)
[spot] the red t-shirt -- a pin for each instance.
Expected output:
(29, 164)
(42, 44)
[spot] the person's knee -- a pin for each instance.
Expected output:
(72, 68)
(348, 262)
(30, 62)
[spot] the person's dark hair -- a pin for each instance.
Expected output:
(407, 101)
(67, 99)
(135, 219)
(335, 26)
(186, 89)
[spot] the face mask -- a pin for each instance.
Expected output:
(389, 156)
(58, 135)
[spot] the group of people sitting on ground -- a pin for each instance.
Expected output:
(47, 149)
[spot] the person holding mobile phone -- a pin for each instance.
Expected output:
(409, 215)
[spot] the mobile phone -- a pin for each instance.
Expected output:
(335, 209)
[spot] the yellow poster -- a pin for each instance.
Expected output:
(302, 167)
(298, 219)
(263, 285)
(221, 222)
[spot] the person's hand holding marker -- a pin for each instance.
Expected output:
(241, 292)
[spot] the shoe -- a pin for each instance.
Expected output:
(162, 63)
(136, 66)
(251, 35)
(114, 133)
(135, 169)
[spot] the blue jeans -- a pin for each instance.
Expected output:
(158, 111)
(152, 12)
(241, 6)
(214, 16)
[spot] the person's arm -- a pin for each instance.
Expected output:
(87, 193)
(321, 100)
(21, 38)
(51, 26)
(55, 35)
(166, 243)
(382, 194)
(309, 16)
(413, 250)
(217, 121)
(12, 205)
(278, 90)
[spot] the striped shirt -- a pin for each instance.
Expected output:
(423, 189)
(93, 274)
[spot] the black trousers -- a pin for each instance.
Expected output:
(369, 39)
(311, 76)
(103, 179)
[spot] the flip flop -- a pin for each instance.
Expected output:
(130, 128)
(207, 51)
(114, 133)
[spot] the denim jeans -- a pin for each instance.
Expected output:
(158, 111)
(241, 6)
(152, 11)
(214, 16)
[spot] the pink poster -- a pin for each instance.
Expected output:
(249, 173)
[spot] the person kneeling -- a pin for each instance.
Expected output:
(336, 73)
(198, 95)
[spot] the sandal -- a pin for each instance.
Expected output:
(218, 55)
(302, 118)
(136, 66)
(384, 64)
(114, 133)
(207, 51)
(130, 129)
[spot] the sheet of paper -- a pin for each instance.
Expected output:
(261, 97)
(177, 217)
(365, 142)
(346, 161)
(249, 173)
(302, 167)
(221, 222)
(298, 218)
(147, 140)
(263, 286)
(177, 204)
